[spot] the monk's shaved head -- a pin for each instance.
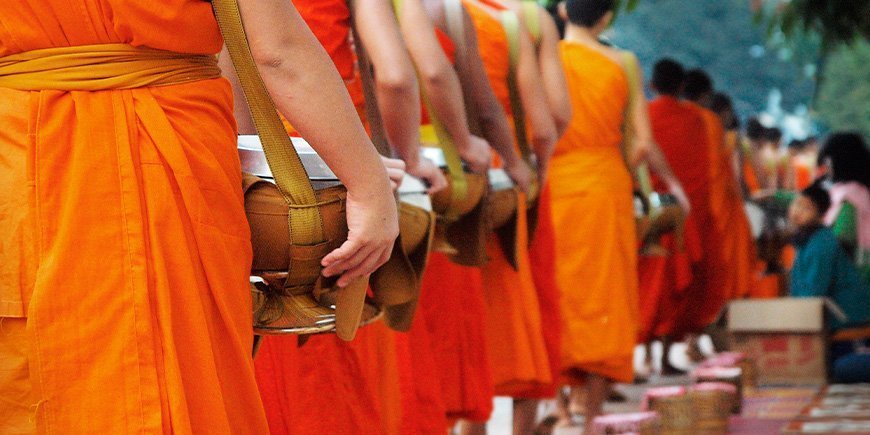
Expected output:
(697, 85)
(587, 13)
(668, 76)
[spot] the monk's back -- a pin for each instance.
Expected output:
(589, 154)
(679, 132)
(493, 46)
(186, 26)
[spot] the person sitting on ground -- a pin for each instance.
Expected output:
(823, 269)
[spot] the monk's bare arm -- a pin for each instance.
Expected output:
(643, 148)
(395, 80)
(542, 127)
(440, 82)
(489, 113)
(553, 73)
(312, 96)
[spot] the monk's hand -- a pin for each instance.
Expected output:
(373, 224)
(395, 171)
(521, 174)
(429, 173)
(682, 199)
(477, 154)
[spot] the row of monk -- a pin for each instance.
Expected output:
(125, 253)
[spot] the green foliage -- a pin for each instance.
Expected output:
(835, 21)
(844, 97)
(718, 36)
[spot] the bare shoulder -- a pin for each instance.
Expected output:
(435, 10)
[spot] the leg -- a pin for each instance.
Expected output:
(525, 414)
(667, 368)
(17, 398)
(597, 388)
(471, 428)
(693, 348)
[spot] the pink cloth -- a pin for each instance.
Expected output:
(623, 423)
(716, 373)
(856, 194)
(724, 359)
(654, 393)
(715, 386)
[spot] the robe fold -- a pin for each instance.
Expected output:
(542, 258)
(453, 308)
(328, 385)
(680, 132)
(593, 217)
(123, 238)
(517, 350)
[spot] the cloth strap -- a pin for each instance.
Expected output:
(455, 170)
(511, 24)
(373, 113)
(103, 67)
(454, 15)
(305, 220)
(629, 63)
(532, 20)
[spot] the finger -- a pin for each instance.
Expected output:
(346, 250)
(366, 267)
(338, 267)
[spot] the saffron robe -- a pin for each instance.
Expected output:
(593, 217)
(370, 386)
(736, 245)
(679, 131)
(517, 350)
(124, 239)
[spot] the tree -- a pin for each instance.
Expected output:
(718, 36)
(835, 21)
(843, 101)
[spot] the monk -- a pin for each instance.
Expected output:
(328, 378)
(451, 300)
(544, 38)
(726, 201)
(100, 339)
(679, 129)
(592, 209)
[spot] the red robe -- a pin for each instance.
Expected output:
(679, 130)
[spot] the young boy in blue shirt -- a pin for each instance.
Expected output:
(823, 269)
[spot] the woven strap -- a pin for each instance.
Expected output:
(455, 171)
(511, 24)
(454, 14)
(373, 113)
(629, 62)
(306, 223)
(532, 20)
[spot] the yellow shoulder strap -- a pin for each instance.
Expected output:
(532, 20)
(458, 183)
(306, 224)
(511, 24)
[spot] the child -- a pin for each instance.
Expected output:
(822, 268)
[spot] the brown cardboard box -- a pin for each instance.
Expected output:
(787, 337)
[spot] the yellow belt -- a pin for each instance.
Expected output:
(103, 67)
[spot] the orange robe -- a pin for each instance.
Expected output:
(678, 129)
(729, 215)
(593, 216)
(447, 340)
(542, 257)
(517, 350)
(328, 385)
(453, 308)
(124, 239)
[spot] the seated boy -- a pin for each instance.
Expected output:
(822, 268)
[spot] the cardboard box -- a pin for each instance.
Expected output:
(787, 338)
